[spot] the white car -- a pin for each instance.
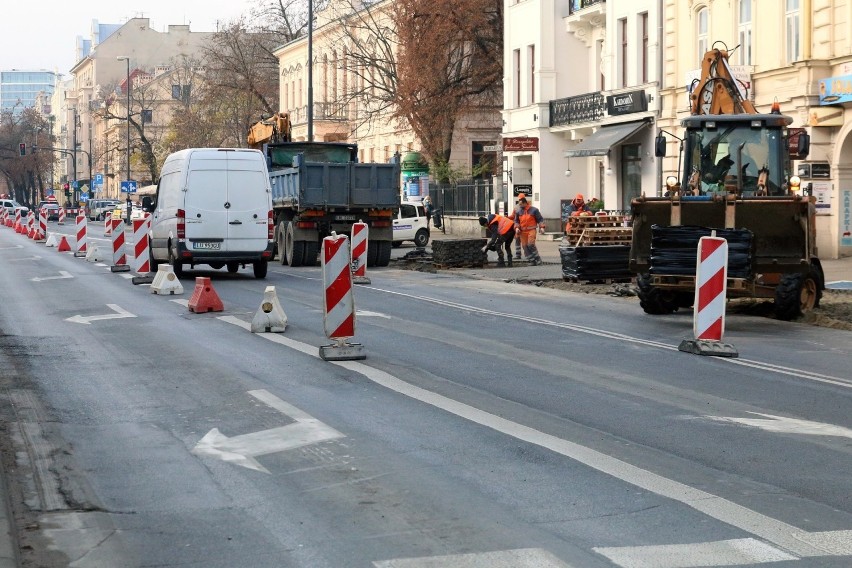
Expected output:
(411, 224)
(11, 206)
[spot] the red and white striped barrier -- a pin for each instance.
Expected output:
(61, 220)
(119, 259)
(81, 226)
(41, 231)
(711, 283)
(338, 301)
(18, 221)
(108, 226)
(141, 256)
(4, 217)
(360, 235)
(31, 223)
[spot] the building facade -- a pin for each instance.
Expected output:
(20, 89)
(581, 93)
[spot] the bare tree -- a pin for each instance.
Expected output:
(25, 176)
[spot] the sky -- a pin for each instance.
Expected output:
(42, 35)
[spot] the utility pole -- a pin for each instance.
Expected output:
(310, 70)
(74, 158)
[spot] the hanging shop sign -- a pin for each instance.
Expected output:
(626, 103)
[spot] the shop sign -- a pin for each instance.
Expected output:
(846, 218)
(835, 90)
(521, 144)
(822, 191)
(525, 188)
(626, 103)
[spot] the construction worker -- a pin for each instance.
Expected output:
(577, 207)
(502, 232)
(528, 219)
(512, 216)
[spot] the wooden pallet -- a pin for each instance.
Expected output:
(599, 230)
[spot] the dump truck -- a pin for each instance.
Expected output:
(319, 188)
(736, 179)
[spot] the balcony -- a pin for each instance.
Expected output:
(336, 112)
(590, 107)
(583, 17)
(577, 6)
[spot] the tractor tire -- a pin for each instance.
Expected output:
(654, 301)
(797, 294)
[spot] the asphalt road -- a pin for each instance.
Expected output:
(491, 424)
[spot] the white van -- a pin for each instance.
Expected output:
(411, 224)
(212, 206)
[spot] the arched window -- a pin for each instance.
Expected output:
(702, 20)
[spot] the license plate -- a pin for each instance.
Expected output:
(345, 217)
(206, 246)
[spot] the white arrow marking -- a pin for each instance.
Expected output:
(365, 313)
(784, 425)
(61, 272)
(13, 247)
(26, 258)
(241, 450)
(120, 313)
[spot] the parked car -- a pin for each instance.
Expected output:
(411, 224)
(11, 206)
(99, 208)
(120, 212)
(52, 208)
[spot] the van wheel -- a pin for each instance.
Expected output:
(177, 266)
(295, 249)
(152, 262)
(233, 267)
(260, 268)
(421, 238)
(280, 242)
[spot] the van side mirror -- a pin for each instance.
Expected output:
(660, 146)
(147, 204)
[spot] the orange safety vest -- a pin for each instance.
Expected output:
(503, 224)
(527, 218)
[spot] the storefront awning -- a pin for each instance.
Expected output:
(599, 143)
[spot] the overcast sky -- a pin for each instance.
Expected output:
(42, 35)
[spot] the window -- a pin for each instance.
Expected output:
(643, 66)
(744, 32)
(703, 32)
(516, 71)
(622, 58)
(531, 78)
(791, 18)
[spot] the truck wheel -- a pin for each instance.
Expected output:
(383, 254)
(260, 268)
(311, 253)
(653, 300)
(280, 242)
(421, 238)
(797, 294)
(396, 244)
(177, 266)
(295, 249)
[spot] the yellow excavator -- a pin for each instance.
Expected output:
(273, 129)
(736, 176)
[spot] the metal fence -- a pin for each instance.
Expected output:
(470, 198)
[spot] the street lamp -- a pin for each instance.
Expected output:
(127, 86)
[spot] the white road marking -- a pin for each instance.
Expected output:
(182, 301)
(520, 558)
(25, 258)
(12, 247)
(62, 275)
(784, 425)
(241, 450)
(788, 537)
(367, 314)
(120, 313)
(722, 553)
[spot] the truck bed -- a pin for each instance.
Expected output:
(333, 186)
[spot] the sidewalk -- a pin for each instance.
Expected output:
(838, 272)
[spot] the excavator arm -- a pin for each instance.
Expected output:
(273, 129)
(717, 92)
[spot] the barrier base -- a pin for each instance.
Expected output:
(146, 279)
(360, 280)
(120, 268)
(711, 348)
(342, 351)
(80, 254)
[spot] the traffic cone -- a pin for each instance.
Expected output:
(204, 297)
(63, 245)
(51, 240)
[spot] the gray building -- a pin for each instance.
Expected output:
(19, 89)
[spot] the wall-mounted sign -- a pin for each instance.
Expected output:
(846, 218)
(525, 188)
(820, 170)
(835, 90)
(804, 171)
(793, 142)
(822, 191)
(626, 103)
(828, 116)
(521, 144)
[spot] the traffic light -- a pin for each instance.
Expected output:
(67, 189)
(23, 148)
